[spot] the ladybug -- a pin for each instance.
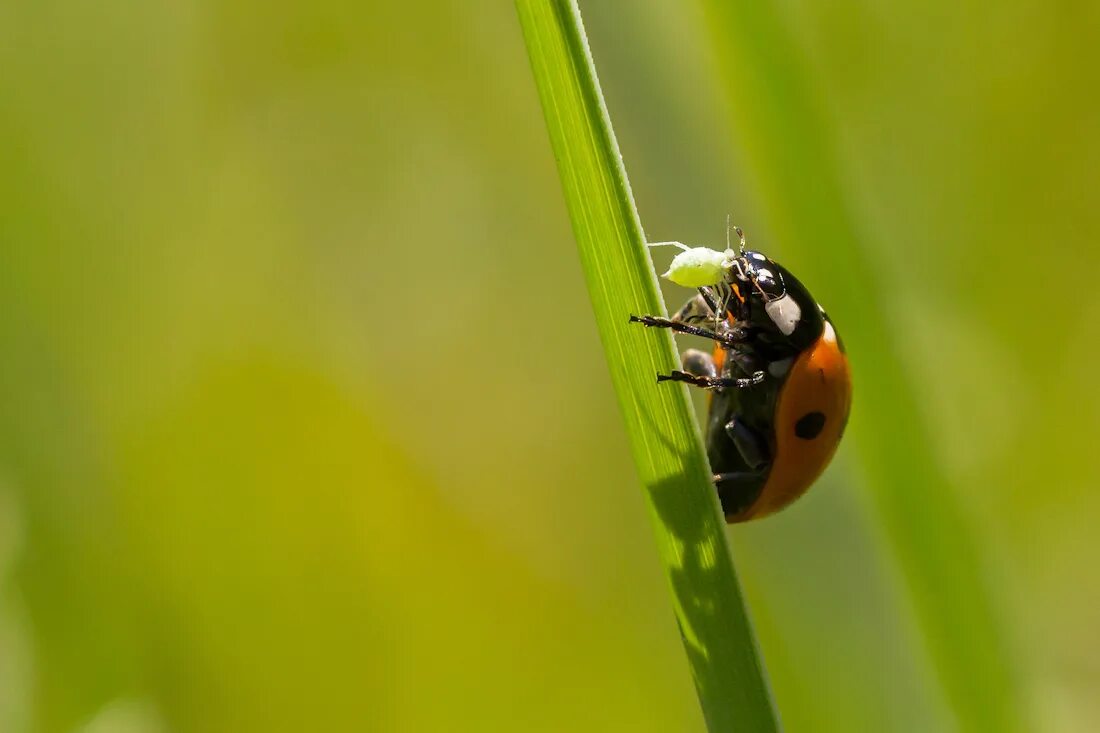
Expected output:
(780, 387)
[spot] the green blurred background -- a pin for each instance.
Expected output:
(305, 421)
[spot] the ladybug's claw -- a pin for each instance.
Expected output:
(679, 376)
(653, 321)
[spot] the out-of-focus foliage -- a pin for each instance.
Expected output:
(305, 424)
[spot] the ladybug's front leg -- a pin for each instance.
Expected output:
(700, 309)
(731, 338)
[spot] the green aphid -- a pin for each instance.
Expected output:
(700, 267)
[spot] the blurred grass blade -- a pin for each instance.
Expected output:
(788, 143)
(660, 425)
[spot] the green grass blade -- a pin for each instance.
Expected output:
(800, 185)
(660, 425)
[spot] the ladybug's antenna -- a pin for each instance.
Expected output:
(740, 234)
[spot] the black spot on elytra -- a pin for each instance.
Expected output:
(809, 425)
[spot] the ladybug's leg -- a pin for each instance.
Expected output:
(737, 491)
(699, 363)
(749, 443)
(707, 382)
(700, 370)
(733, 337)
(700, 309)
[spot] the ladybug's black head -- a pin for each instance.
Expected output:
(755, 273)
(772, 299)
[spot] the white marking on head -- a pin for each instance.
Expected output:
(759, 257)
(780, 367)
(830, 333)
(785, 313)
